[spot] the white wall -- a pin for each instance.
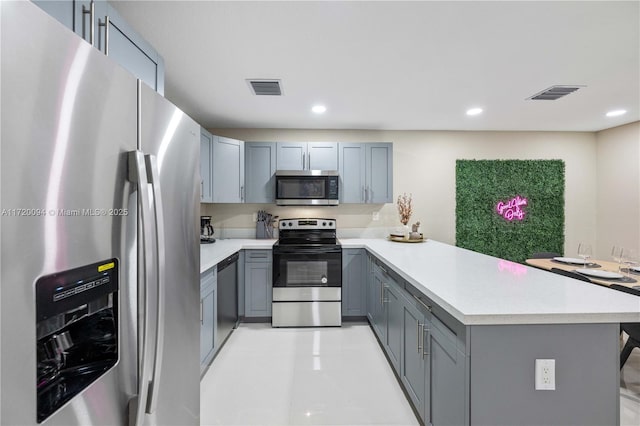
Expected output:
(618, 212)
(424, 165)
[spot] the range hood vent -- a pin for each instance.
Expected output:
(265, 87)
(553, 93)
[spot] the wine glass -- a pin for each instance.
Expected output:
(629, 257)
(616, 254)
(584, 251)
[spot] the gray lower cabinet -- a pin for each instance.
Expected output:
(257, 283)
(125, 45)
(446, 369)
(206, 159)
(259, 172)
(428, 355)
(228, 170)
(354, 271)
(208, 302)
(366, 172)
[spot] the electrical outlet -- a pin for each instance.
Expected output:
(545, 374)
(376, 216)
(255, 217)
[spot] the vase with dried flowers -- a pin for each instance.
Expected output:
(405, 209)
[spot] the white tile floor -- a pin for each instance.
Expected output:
(325, 376)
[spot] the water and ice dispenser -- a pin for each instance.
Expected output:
(77, 332)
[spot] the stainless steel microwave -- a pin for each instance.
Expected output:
(307, 187)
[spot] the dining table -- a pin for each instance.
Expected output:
(591, 265)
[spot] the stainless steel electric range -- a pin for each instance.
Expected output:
(307, 274)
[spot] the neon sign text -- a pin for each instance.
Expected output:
(512, 209)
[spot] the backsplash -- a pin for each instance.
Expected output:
(353, 220)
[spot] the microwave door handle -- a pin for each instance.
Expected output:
(137, 174)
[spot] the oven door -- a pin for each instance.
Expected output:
(307, 266)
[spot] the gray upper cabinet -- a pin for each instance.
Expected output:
(366, 172)
(352, 172)
(307, 156)
(98, 23)
(228, 170)
(206, 158)
(260, 168)
(62, 10)
(131, 51)
(379, 173)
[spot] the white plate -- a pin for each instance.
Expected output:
(635, 268)
(570, 260)
(599, 274)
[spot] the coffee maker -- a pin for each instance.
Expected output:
(206, 230)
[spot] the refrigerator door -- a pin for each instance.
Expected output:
(171, 143)
(68, 121)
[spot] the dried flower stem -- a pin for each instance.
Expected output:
(404, 208)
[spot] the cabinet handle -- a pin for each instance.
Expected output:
(91, 13)
(427, 307)
(384, 287)
(424, 342)
(202, 312)
(304, 161)
(419, 336)
(366, 194)
(202, 190)
(241, 193)
(309, 160)
(105, 24)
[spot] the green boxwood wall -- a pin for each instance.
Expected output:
(480, 184)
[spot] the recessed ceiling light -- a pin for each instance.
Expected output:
(319, 109)
(616, 112)
(474, 111)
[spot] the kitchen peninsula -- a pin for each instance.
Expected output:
(463, 331)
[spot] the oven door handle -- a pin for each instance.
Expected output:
(306, 250)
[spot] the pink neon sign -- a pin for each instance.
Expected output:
(512, 209)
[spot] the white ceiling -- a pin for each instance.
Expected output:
(397, 65)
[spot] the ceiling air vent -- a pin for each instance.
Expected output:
(265, 87)
(554, 92)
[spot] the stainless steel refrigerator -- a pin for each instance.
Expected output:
(99, 281)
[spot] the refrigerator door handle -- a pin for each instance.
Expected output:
(154, 178)
(137, 174)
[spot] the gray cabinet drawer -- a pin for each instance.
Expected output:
(257, 256)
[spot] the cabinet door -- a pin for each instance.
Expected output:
(291, 155)
(379, 320)
(258, 293)
(206, 142)
(61, 10)
(379, 172)
(127, 48)
(394, 316)
(371, 299)
(207, 324)
(353, 282)
(351, 164)
(228, 170)
(446, 378)
(260, 168)
(322, 156)
(413, 364)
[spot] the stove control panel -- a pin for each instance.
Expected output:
(307, 224)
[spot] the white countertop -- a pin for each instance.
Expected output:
(478, 289)
(212, 254)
